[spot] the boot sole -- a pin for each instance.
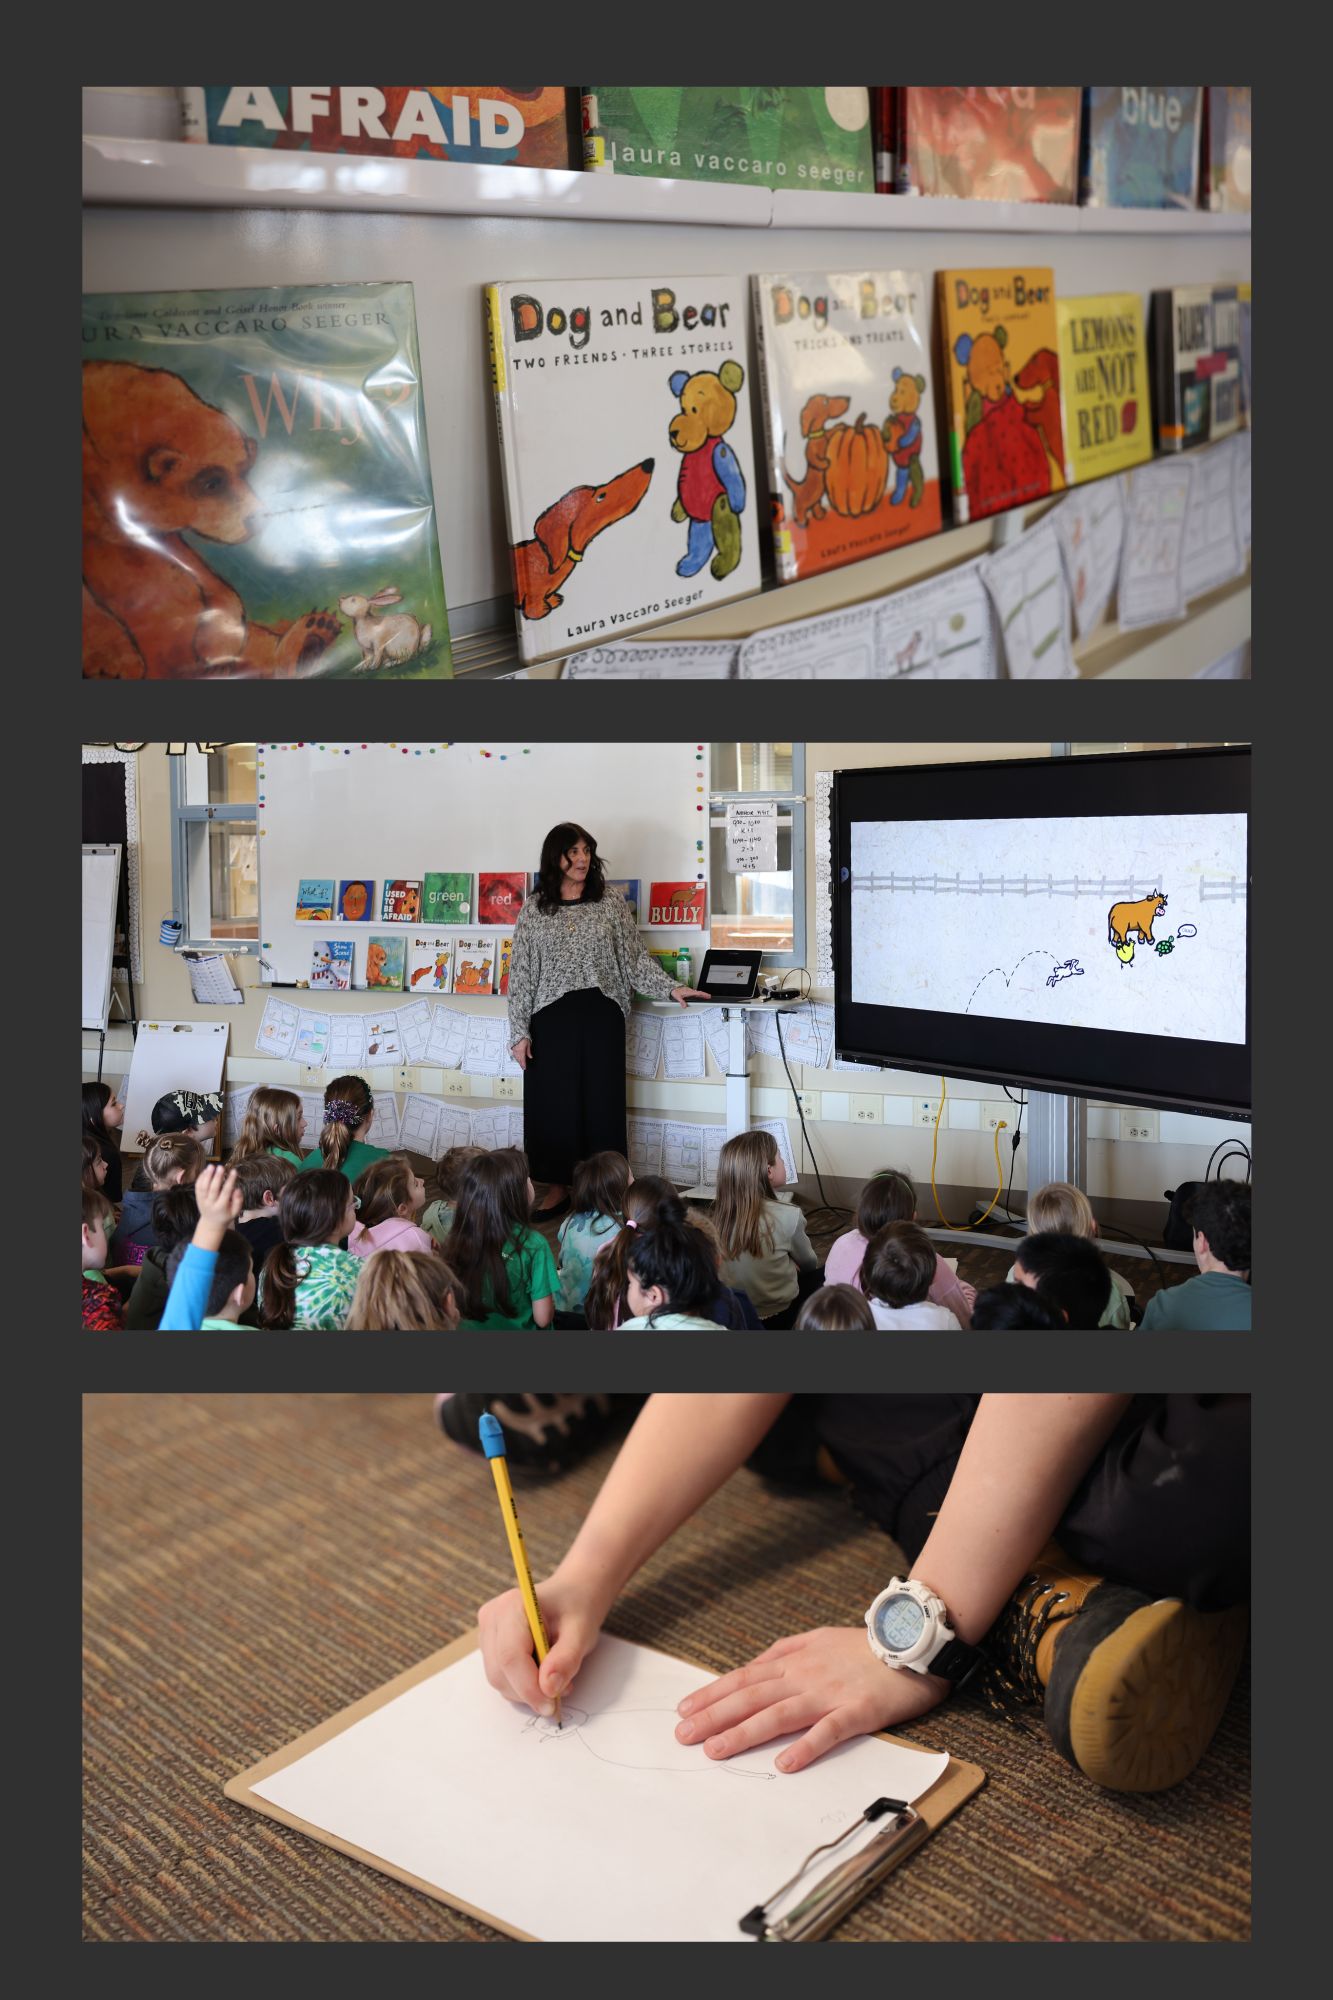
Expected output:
(1136, 1706)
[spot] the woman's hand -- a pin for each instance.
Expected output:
(684, 993)
(522, 1050)
(573, 1621)
(827, 1683)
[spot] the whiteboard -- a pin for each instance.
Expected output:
(170, 1055)
(390, 810)
(101, 880)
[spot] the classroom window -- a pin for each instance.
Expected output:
(764, 911)
(215, 855)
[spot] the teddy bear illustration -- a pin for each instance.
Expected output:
(710, 490)
(376, 959)
(1004, 457)
(902, 435)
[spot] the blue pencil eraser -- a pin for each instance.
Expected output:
(491, 1435)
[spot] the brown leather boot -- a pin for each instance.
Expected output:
(1132, 1687)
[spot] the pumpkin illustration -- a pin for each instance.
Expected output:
(858, 468)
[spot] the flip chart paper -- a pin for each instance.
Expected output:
(752, 836)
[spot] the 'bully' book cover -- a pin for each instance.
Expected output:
(492, 123)
(1104, 384)
(849, 411)
(256, 487)
(314, 901)
(801, 136)
(990, 142)
(1196, 338)
(474, 965)
(1000, 348)
(385, 960)
(401, 902)
(331, 965)
(625, 437)
(356, 901)
(1141, 145)
(447, 899)
(500, 897)
(677, 906)
(430, 964)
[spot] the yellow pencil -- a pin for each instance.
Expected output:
(493, 1444)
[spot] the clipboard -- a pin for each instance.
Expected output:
(833, 1899)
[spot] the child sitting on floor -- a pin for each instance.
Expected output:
(437, 1218)
(1068, 1275)
(103, 1116)
(1061, 1209)
(261, 1178)
(765, 1251)
(896, 1275)
(95, 1169)
(389, 1197)
(231, 1288)
(349, 1113)
(597, 1204)
(1218, 1300)
(195, 1112)
(274, 1123)
(403, 1291)
(1012, 1308)
(307, 1281)
(648, 1201)
(219, 1202)
(175, 1213)
(671, 1278)
(173, 1158)
(889, 1196)
(835, 1309)
(506, 1273)
(101, 1301)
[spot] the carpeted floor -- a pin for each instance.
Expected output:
(254, 1562)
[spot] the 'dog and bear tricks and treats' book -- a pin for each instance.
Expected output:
(1196, 340)
(783, 136)
(849, 412)
(491, 123)
(256, 487)
(1141, 145)
(999, 348)
(625, 437)
(1104, 384)
(990, 142)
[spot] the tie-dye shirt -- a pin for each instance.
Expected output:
(581, 1237)
(324, 1293)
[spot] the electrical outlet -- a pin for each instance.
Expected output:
(455, 1084)
(404, 1079)
(866, 1110)
(997, 1112)
(1138, 1125)
(809, 1103)
(926, 1110)
(311, 1073)
(508, 1086)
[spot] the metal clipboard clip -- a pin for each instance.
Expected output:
(828, 1900)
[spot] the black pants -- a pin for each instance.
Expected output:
(1165, 1507)
(574, 1084)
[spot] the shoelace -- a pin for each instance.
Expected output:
(1009, 1676)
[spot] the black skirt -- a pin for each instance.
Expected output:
(574, 1084)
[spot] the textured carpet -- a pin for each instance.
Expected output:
(253, 1563)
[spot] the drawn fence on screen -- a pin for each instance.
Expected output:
(1226, 888)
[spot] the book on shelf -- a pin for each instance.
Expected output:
(401, 902)
(770, 135)
(628, 887)
(1104, 384)
(256, 487)
(999, 350)
(1196, 350)
(314, 900)
(447, 899)
(884, 136)
(506, 957)
(474, 965)
(386, 958)
(677, 906)
(984, 142)
(849, 414)
(500, 897)
(331, 965)
(493, 124)
(1227, 147)
(356, 901)
(1141, 145)
(430, 964)
(625, 441)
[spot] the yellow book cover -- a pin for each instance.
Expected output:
(1104, 384)
(1001, 358)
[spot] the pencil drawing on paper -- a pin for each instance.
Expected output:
(633, 1738)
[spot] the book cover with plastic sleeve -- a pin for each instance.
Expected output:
(990, 142)
(495, 124)
(771, 135)
(1141, 145)
(999, 347)
(1104, 384)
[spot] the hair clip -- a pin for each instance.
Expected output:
(630, 1223)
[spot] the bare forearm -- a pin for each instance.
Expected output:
(1023, 1458)
(681, 1449)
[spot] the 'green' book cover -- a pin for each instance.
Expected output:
(801, 136)
(448, 900)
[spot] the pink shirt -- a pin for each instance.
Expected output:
(843, 1267)
(394, 1233)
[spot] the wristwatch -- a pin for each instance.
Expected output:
(908, 1626)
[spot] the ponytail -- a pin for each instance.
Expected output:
(277, 1306)
(647, 1201)
(348, 1102)
(312, 1206)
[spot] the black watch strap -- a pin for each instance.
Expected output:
(957, 1663)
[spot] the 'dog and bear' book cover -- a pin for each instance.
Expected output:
(1104, 384)
(849, 413)
(625, 438)
(492, 123)
(782, 136)
(256, 487)
(999, 348)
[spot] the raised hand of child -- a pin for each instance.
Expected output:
(827, 1683)
(220, 1201)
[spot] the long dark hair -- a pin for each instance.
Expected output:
(554, 849)
(311, 1208)
(648, 1201)
(599, 1185)
(675, 1257)
(96, 1097)
(492, 1206)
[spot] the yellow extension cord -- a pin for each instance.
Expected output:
(1003, 1126)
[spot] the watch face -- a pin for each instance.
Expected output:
(899, 1623)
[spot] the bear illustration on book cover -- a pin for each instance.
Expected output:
(256, 487)
(1000, 346)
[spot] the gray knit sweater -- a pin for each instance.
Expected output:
(578, 945)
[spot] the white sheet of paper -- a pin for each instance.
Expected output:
(645, 1145)
(211, 980)
(277, 1029)
(715, 1138)
(312, 1110)
(761, 1034)
(347, 1041)
(683, 1046)
(1241, 465)
(1150, 566)
(835, 645)
(1212, 553)
(643, 1045)
(384, 1125)
(448, 1037)
(752, 836)
(462, 1788)
(516, 1126)
(682, 1152)
(717, 1034)
(419, 1128)
(1090, 526)
(414, 1029)
(710, 660)
(778, 1127)
(490, 1128)
(1026, 581)
(1233, 666)
(823, 878)
(807, 1034)
(940, 630)
(455, 1128)
(233, 1112)
(384, 1044)
(487, 1038)
(311, 1044)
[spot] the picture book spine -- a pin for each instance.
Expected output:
(495, 352)
(952, 415)
(772, 409)
(194, 114)
(884, 129)
(1166, 399)
(595, 160)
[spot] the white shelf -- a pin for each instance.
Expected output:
(170, 174)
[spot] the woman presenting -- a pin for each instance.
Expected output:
(577, 961)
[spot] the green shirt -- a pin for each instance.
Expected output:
(281, 1153)
(1214, 1302)
(359, 1157)
(530, 1269)
(324, 1295)
(218, 1326)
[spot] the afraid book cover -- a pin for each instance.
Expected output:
(490, 123)
(849, 411)
(1104, 384)
(1196, 346)
(990, 142)
(1141, 145)
(999, 346)
(801, 136)
(625, 438)
(401, 902)
(256, 487)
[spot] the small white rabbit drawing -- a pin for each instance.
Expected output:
(394, 639)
